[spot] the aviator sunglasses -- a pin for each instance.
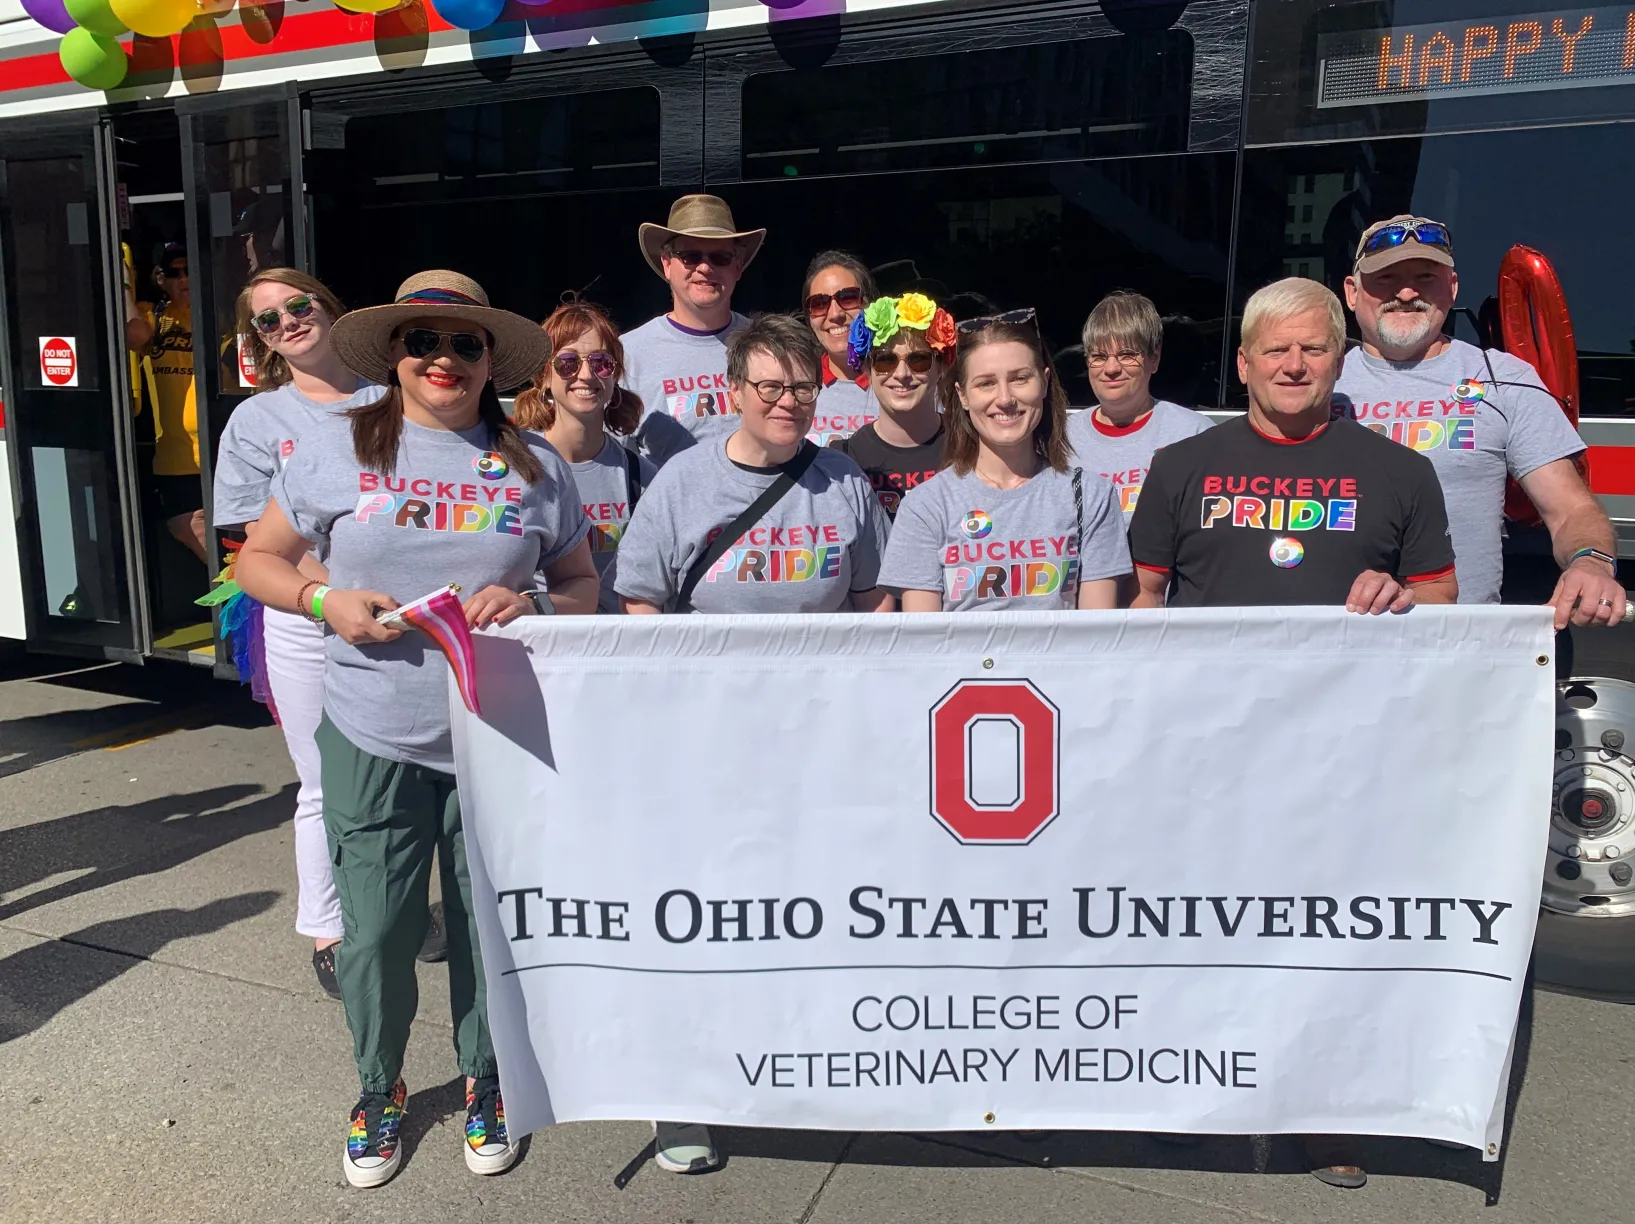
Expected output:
(885, 362)
(567, 362)
(422, 342)
(1426, 233)
(847, 299)
(270, 320)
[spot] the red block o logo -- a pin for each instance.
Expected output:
(1016, 816)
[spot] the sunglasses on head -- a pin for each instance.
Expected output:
(1426, 233)
(567, 363)
(847, 299)
(271, 319)
(885, 362)
(716, 259)
(423, 342)
(969, 327)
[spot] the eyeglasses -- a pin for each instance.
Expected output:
(271, 319)
(771, 392)
(174, 273)
(422, 342)
(716, 259)
(1124, 357)
(969, 327)
(567, 363)
(1426, 233)
(885, 362)
(848, 300)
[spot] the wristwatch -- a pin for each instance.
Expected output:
(541, 601)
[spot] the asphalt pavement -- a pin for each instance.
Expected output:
(166, 1055)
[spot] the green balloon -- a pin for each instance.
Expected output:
(96, 16)
(94, 60)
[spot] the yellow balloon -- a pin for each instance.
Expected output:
(213, 8)
(155, 18)
(367, 6)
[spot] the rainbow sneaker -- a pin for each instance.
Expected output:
(372, 1151)
(488, 1148)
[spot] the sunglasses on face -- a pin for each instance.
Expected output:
(174, 273)
(567, 363)
(849, 300)
(1426, 233)
(271, 319)
(970, 327)
(422, 342)
(771, 392)
(716, 259)
(885, 362)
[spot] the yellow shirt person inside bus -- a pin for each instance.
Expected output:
(167, 343)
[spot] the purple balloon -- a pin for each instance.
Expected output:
(52, 14)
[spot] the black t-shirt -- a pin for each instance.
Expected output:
(1240, 519)
(892, 470)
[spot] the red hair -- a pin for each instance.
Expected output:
(534, 408)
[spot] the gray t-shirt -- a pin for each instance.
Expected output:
(808, 554)
(681, 377)
(1123, 455)
(260, 438)
(604, 490)
(1475, 427)
(452, 511)
(995, 550)
(842, 409)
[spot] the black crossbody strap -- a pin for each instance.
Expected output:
(1078, 505)
(788, 476)
(632, 478)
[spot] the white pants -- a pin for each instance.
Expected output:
(295, 671)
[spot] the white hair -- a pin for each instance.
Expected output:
(1284, 299)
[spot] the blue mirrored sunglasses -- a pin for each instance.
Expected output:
(1426, 233)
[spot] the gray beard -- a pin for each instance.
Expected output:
(1401, 343)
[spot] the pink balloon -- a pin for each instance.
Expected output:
(52, 14)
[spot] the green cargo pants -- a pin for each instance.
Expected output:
(383, 819)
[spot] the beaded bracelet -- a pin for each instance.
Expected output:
(301, 598)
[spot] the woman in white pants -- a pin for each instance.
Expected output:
(305, 390)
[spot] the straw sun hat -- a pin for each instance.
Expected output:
(697, 216)
(362, 337)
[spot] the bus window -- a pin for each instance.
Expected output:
(1056, 236)
(532, 197)
(1052, 101)
(1462, 181)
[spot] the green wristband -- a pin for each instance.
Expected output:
(317, 603)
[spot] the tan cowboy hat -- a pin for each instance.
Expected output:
(362, 337)
(698, 216)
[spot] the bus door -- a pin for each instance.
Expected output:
(68, 430)
(241, 157)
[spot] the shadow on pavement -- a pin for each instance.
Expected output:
(111, 844)
(40, 981)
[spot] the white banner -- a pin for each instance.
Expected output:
(1229, 871)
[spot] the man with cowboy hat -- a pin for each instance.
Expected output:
(677, 363)
(1479, 416)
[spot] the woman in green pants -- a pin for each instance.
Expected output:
(429, 485)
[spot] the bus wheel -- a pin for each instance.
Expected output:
(1586, 931)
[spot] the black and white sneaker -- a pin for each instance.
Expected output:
(323, 966)
(372, 1151)
(435, 946)
(488, 1148)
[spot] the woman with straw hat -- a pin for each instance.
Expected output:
(435, 486)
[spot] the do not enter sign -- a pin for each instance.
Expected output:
(59, 361)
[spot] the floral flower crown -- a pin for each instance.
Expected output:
(885, 317)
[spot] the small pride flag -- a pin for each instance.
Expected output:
(440, 616)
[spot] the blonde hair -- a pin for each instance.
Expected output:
(1293, 295)
(1123, 316)
(271, 370)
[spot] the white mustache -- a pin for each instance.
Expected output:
(1418, 304)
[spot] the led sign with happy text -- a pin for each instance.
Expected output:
(1572, 49)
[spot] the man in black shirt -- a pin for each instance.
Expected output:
(1287, 505)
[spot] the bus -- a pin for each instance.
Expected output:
(990, 152)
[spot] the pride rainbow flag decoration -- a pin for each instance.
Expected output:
(440, 616)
